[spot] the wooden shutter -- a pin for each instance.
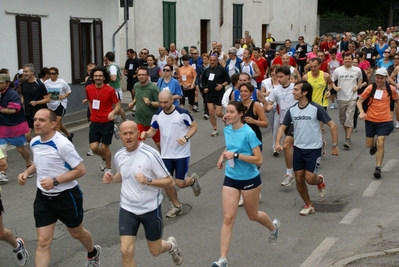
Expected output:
(237, 21)
(29, 41)
(98, 42)
(76, 51)
(169, 23)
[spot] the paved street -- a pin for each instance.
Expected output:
(359, 214)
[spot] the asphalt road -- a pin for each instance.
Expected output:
(359, 214)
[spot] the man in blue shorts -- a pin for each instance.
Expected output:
(143, 175)
(306, 116)
(18, 245)
(177, 126)
(58, 196)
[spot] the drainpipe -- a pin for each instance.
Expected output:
(120, 27)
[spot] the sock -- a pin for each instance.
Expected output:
(289, 171)
(92, 254)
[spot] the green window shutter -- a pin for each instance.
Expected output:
(237, 21)
(29, 41)
(169, 23)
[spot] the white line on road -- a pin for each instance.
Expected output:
(318, 254)
(348, 219)
(373, 186)
(389, 165)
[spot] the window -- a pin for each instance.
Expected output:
(237, 21)
(82, 34)
(169, 23)
(29, 41)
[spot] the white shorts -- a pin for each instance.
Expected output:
(119, 93)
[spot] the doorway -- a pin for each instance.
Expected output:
(205, 29)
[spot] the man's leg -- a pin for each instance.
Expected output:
(212, 118)
(6, 234)
(380, 150)
(84, 237)
(44, 240)
(300, 178)
(106, 154)
(127, 250)
(25, 154)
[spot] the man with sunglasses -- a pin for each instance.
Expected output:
(171, 84)
(143, 57)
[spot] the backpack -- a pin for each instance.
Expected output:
(367, 102)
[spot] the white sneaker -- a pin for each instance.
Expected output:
(103, 165)
(288, 180)
(21, 254)
(90, 153)
(215, 133)
(3, 178)
(397, 124)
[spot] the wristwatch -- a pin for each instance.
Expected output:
(186, 138)
(55, 182)
(236, 154)
(149, 180)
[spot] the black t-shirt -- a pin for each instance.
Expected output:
(131, 66)
(33, 92)
(304, 50)
(220, 76)
(370, 52)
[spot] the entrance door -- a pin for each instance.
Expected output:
(264, 34)
(204, 36)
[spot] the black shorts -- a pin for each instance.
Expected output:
(60, 111)
(243, 184)
(306, 159)
(29, 120)
(130, 85)
(1, 206)
(129, 223)
(67, 207)
(379, 128)
(217, 100)
(101, 132)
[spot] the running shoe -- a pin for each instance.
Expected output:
(21, 254)
(196, 186)
(116, 131)
(103, 165)
(222, 262)
(174, 251)
(307, 209)
(175, 211)
(195, 108)
(323, 149)
(95, 261)
(397, 124)
(373, 149)
(347, 143)
(215, 133)
(273, 235)
(206, 116)
(321, 186)
(90, 153)
(3, 178)
(377, 172)
(276, 153)
(288, 180)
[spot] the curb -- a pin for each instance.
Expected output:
(346, 261)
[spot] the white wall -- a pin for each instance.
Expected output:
(56, 43)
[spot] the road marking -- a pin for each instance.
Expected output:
(318, 254)
(389, 165)
(348, 219)
(373, 186)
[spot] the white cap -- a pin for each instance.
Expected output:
(381, 71)
(21, 71)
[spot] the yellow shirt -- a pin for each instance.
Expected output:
(319, 88)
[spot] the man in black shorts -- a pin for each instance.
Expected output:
(34, 96)
(214, 80)
(131, 66)
(58, 196)
(18, 245)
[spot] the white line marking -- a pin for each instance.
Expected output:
(348, 219)
(389, 165)
(373, 186)
(318, 254)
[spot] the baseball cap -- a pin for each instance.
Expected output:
(4, 77)
(381, 71)
(21, 71)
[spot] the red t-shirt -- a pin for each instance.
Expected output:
(262, 64)
(107, 97)
(279, 61)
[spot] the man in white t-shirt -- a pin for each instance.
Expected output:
(143, 175)
(58, 195)
(176, 127)
(349, 81)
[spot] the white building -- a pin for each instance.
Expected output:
(64, 34)
(200, 22)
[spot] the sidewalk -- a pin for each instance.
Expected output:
(388, 257)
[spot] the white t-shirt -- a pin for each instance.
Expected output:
(161, 63)
(240, 52)
(135, 197)
(269, 86)
(232, 67)
(56, 89)
(347, 79)
(226, 97)
(284, 98)
(54, 158)
(173, 126)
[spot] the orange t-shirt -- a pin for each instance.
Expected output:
(379, 109)
(187, 75)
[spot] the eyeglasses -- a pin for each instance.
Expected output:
(166, 70)
(98, 76)
(386, 52)
(141, 53)
(53, 73)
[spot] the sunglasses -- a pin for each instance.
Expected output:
(53, 73)
(141, 53)
(386, 52)
(166, 70)
(395, 58)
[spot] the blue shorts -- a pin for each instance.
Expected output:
(306, 159)
(129, 223)
(243, 184)
(379, 128)
(14, 141)
(178, 165)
